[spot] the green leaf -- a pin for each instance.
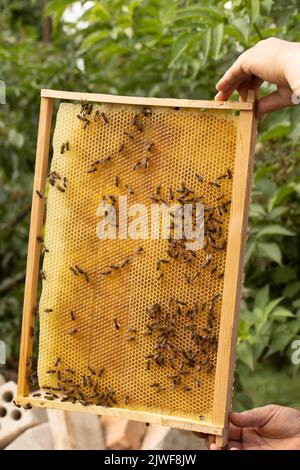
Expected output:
(206, 41)
(282, 313)
(198, 13)
(243, 26)
(275, 133)
(283, 274)
(257, 211)
(93, 39)
(271, 305)
(250, 249)
(262, 297)
(270, 251)
(296, 303)
(181, 44)
(274, 230)
(277, 212)
(245, 354)
(281, 195)
(16, 138)
(254, 9)
(55, 9)
(279, 341)
(217, 39)
(234, 32)
(291, 289)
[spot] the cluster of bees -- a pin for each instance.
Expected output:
(162, 323)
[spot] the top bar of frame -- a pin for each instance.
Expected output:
(135, 100)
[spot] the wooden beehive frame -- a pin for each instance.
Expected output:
(233, 270)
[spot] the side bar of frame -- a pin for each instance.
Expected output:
(36, 221)
(237, 234)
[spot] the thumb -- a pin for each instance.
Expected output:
(257, 417)
(276, 100)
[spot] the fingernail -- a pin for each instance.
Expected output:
(233, 448)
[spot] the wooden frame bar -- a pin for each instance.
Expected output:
(136, 415)
(168, 102)
(233, 269)
(33, 256)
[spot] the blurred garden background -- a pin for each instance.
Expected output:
(164, 48)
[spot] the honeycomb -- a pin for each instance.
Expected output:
(134, 323)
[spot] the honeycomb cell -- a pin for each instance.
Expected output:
(145, 335)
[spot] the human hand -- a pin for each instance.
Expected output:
(272, 60)
(269, 427)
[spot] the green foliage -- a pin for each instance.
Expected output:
(173, 48)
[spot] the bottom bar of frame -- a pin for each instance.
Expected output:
(136, 415)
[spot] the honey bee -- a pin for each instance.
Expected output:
(48, 310)
(72, 331)
(123, 263)
(126, 399)
(92, 170)
(129, 189)
(161, 261)
(92, 371)
(215, 184)
(43, 274)
(67, 145)
(104, 118)
(213, 269)
(57, 362)
(137, 123)
(89, 109)
(229, 173)
(105, 273)
(39, 194)
(130, 136)
(215, 296)
(149, 146)
(62, 148)
(45, 249)
(199, 177)
(72, 315)
(121, 147)
(39, 238)
(96, 115)
(117, 324)
(146, 111)
(74, 271)
(137, 165)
